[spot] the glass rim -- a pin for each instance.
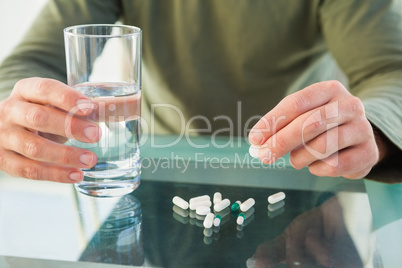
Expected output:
(68, 30)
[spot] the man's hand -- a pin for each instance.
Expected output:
(323, 127)
(35, 120)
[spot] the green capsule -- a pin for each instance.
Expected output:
(235, 206)
(217, 220)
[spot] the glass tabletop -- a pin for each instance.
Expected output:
(323, 222)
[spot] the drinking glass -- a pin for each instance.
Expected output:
(104, 63)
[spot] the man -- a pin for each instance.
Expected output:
(207, 59)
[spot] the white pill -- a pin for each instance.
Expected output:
(199, 199)
(275, 198)
(209, 220)
(180, 202)
(246, 205)
(253, 150)
(202, 210)
(217, 198)
(240, 219)
(222, 205)
(195, 205)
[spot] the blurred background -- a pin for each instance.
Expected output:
(15, 19)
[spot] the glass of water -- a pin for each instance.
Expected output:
(104, 63)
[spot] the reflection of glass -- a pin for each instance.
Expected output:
(118, 239)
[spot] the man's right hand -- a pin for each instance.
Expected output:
(34, 122)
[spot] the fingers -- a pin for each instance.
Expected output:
(270, 253)
(40, 149)
(293, 106)
(49, 120)
(20, 166)
(352, 163)
(319, 126)
(55, 93)
(326, 144)
(304, 129)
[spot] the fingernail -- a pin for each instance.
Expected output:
(255, 137)
(265, 155)
(85, 105)
(290, 162)
(91, 132)
(86, 159)
(75, 176)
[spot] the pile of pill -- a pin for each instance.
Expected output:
(214, 214)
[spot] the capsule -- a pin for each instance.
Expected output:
(217, 198)
(209, 220)
(240, 219)
(205, 203)
(253, 150)
(199, 199)
(202, 210)
(180, 202)
(246, 205)
(275, 198)
(222, 205)
(217, 221)
(235, 206)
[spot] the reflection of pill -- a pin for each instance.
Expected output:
(240, 219)
(273, 214)
(248, 213)
(205, 203)
(202, 210)
(208, 232)
(246, 205)
(180, 202)
(208, 240)
(181, 219)
(253, 151)
(272, 199)
(250, 263)
(200, 217)
(209, 220)
(180, 211)
(199, 198)
(276, 206)
(222, 205)
(217, 198)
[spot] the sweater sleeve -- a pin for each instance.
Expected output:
(365, 37)
(41, 52)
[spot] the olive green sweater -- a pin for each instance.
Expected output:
(221, 59)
